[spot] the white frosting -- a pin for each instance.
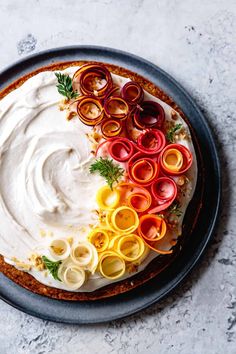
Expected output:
(45, 182)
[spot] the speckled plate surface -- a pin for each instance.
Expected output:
(154, 290)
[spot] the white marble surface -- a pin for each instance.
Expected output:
(195, 42)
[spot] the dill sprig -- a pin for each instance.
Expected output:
(52, 267)
(65, 86)
(107, 169)
(171, 132)
(174, 208)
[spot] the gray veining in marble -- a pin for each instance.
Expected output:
(195, 41)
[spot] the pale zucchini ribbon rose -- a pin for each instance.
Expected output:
(72, 275)
(84, 254)
(59, 249)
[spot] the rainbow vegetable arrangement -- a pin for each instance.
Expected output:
(140, 166)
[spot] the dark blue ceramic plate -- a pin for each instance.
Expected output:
(155, 289)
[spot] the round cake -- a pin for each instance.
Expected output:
(98, 168)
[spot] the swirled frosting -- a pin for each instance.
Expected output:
(44, 174)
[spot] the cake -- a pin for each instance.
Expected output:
(98, 168)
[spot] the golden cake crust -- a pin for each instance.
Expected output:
(157, 265)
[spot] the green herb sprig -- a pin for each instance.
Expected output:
(171, 132)
(52, 267)
(65, 86)
(107, 169)
(174, 208)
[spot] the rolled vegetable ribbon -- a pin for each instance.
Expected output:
(107, 198)
(71, 275)
(164, 190)
(111, 128)
(135, 196)
(121, 149)
(73, 105)
(123, 219)
(94, 79)
(150, 114)
(140, 201)
(115, 107)
(126, 189)
(130, 247)
(172, 160)
(99, 239)
(114, 241)
(108, 221)
(175, 159)
(151, 141)
(133, 93)
(84, 254)
(152, 227)
(131, 130)
(59, 249)
(114, 91)
(111, 265)
(90, 111)
(142, 170)
(102, 149)
(129, 250)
